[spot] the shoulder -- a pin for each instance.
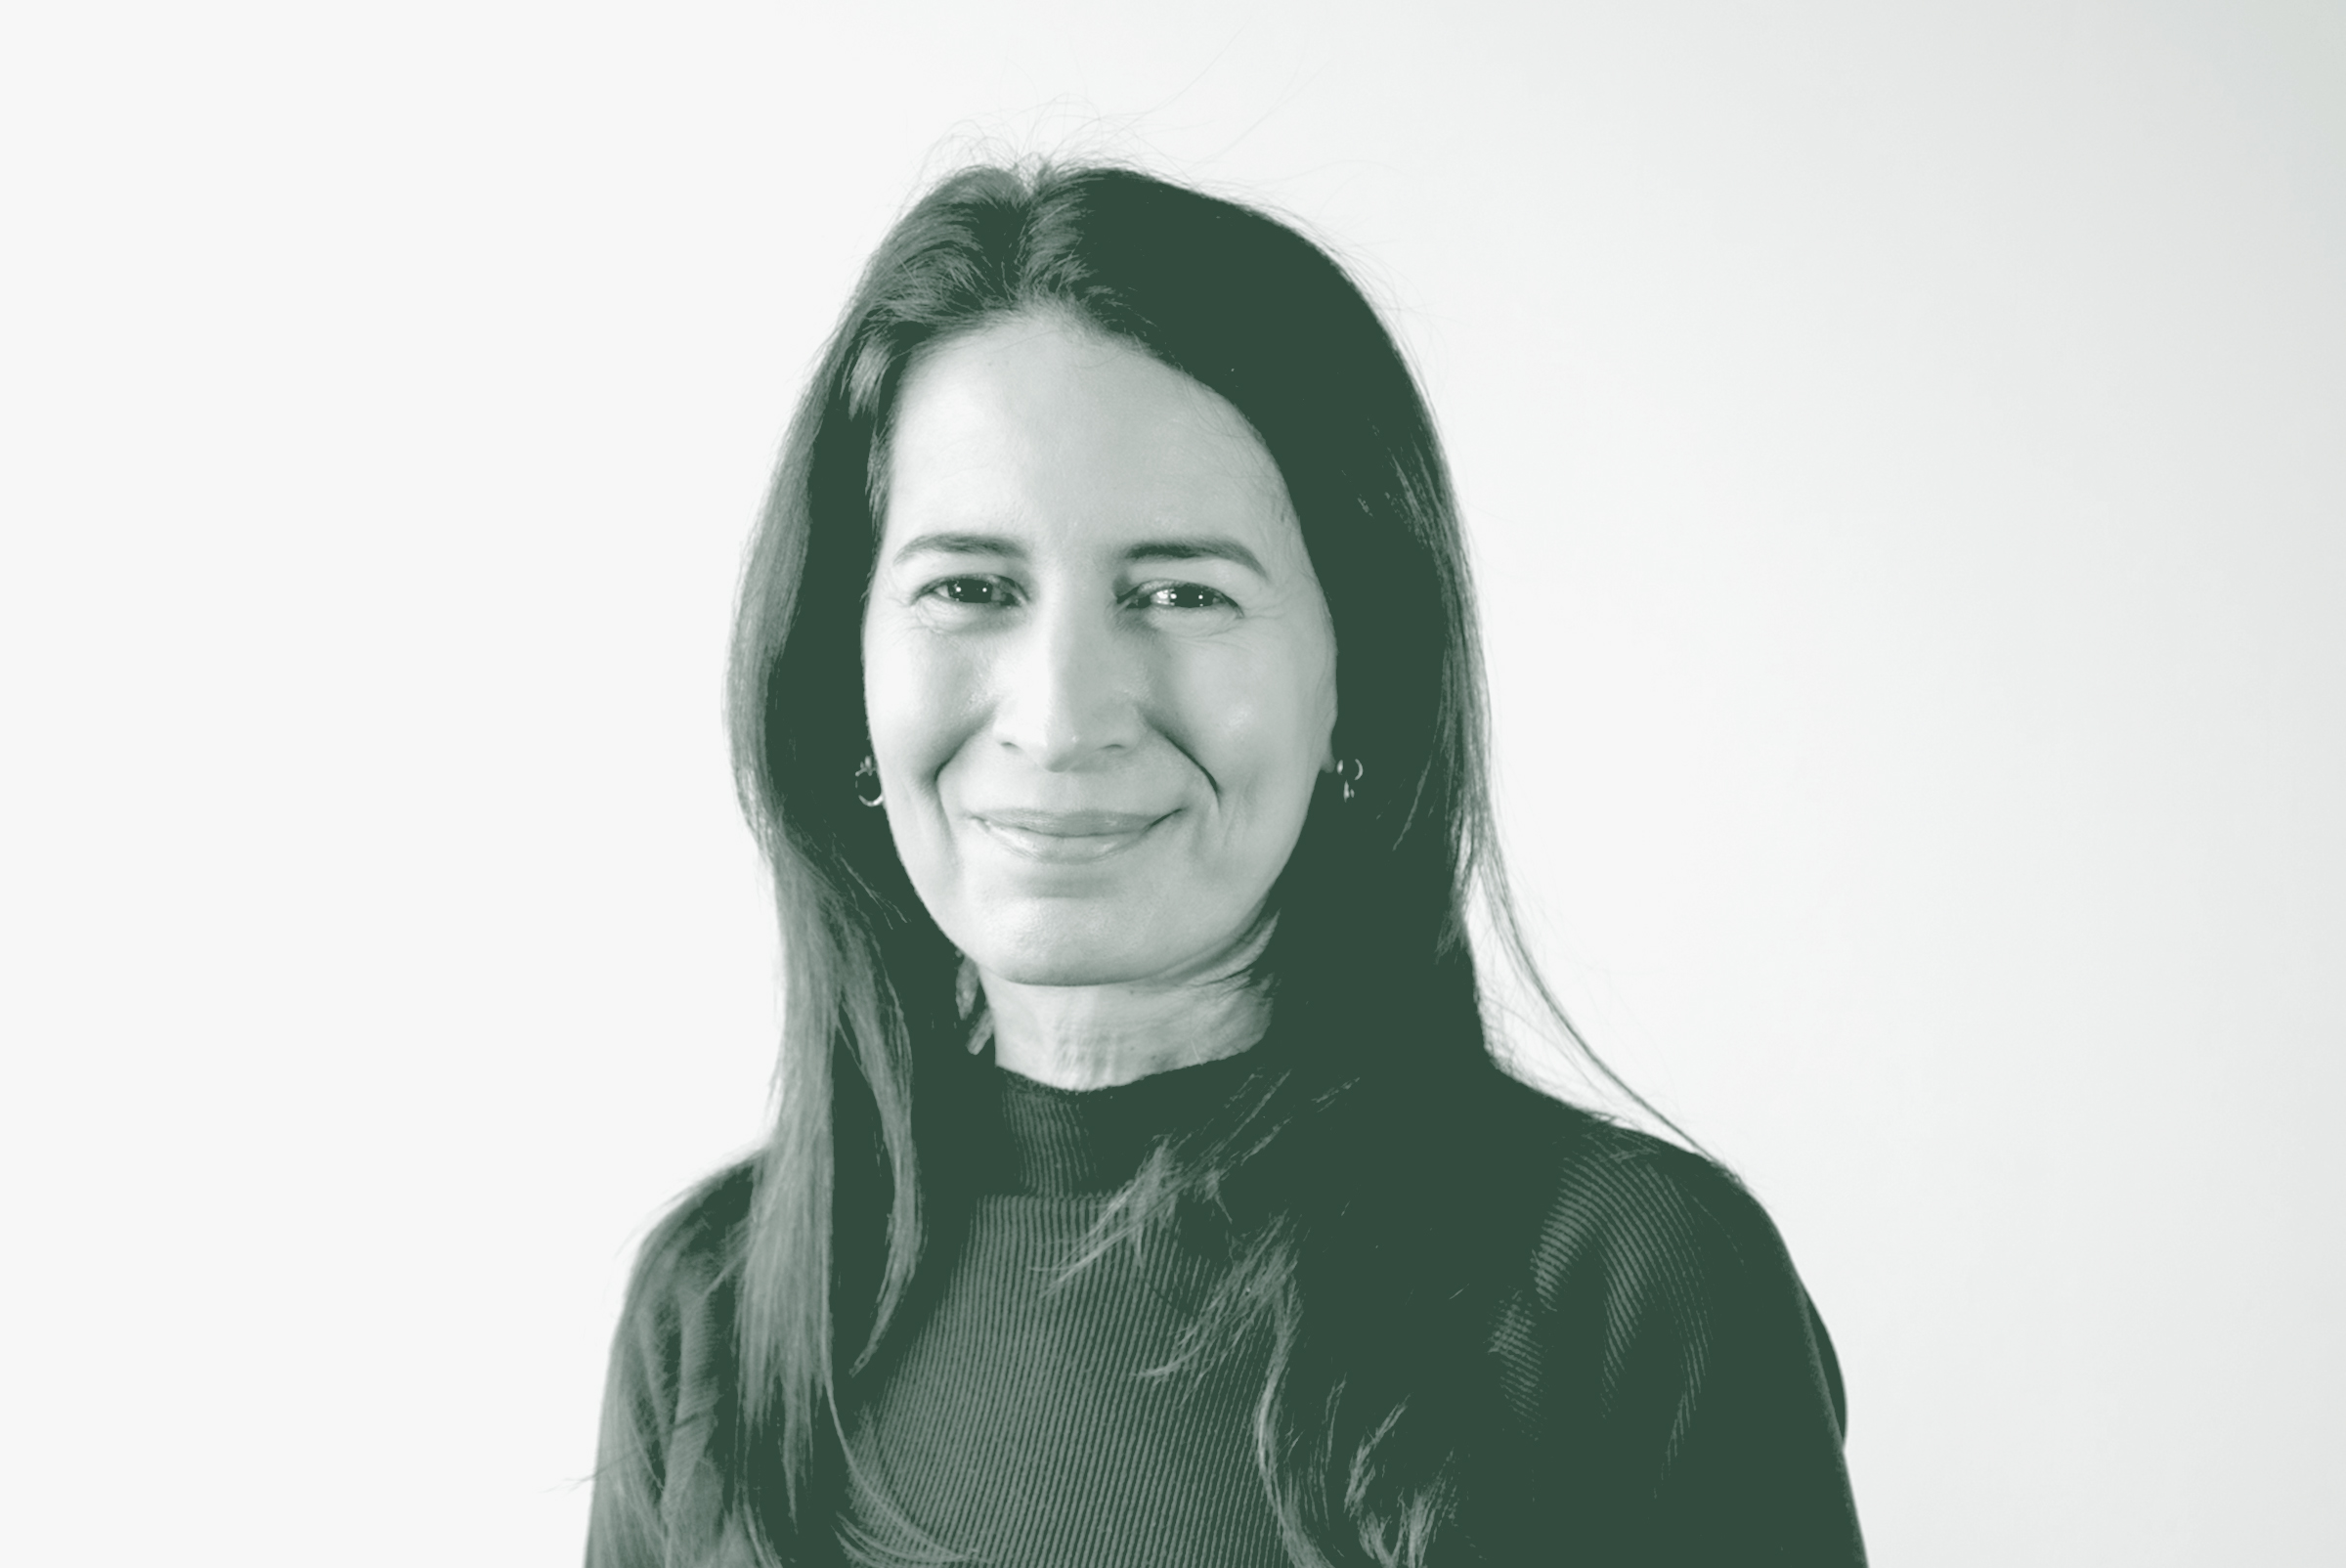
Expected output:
(1625, 1203)
(672, 1367)
(1664, 1371)
(1639, 1271)
(699, 1236)
(676, 1335)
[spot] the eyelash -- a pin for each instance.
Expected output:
(946, 588)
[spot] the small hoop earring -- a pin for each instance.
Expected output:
(1349, 772)
(969, 1002)
(868, 770)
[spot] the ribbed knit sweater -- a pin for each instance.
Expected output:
(1662, 1390)
(1016, 1421)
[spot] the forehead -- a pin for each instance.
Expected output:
(1043, 427)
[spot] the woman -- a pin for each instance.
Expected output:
(1106, 699)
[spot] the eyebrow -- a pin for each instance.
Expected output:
(1209, 548)
(1213, 547)
(959, 544)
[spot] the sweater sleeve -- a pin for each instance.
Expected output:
(1681, 1402)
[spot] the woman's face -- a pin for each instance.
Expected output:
(1098, 674)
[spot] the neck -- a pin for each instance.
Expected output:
(1097, 1036)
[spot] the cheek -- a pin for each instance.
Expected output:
(1262, 724)
(911, 697)
(913, 700)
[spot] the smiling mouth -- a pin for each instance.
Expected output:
(1066, 837)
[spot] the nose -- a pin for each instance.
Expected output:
(1069, 687)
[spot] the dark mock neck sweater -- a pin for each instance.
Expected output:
(1661, 1391)
(1016, 1421)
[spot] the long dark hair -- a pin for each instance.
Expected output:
(1327, 1178)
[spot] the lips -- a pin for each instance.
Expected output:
(1065, 837)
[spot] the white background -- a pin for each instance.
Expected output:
(1905, 450)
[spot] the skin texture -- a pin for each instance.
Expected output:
(1100, 678)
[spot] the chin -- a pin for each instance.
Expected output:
(1051, 949)
(1063, 974)
(1070, 963)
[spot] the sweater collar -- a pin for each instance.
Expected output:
(1066, 1142)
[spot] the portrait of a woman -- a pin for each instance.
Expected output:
(1106, 699)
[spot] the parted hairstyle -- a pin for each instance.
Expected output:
(1328, 1179)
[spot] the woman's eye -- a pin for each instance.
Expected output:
(978, 592)
(1182, 597)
